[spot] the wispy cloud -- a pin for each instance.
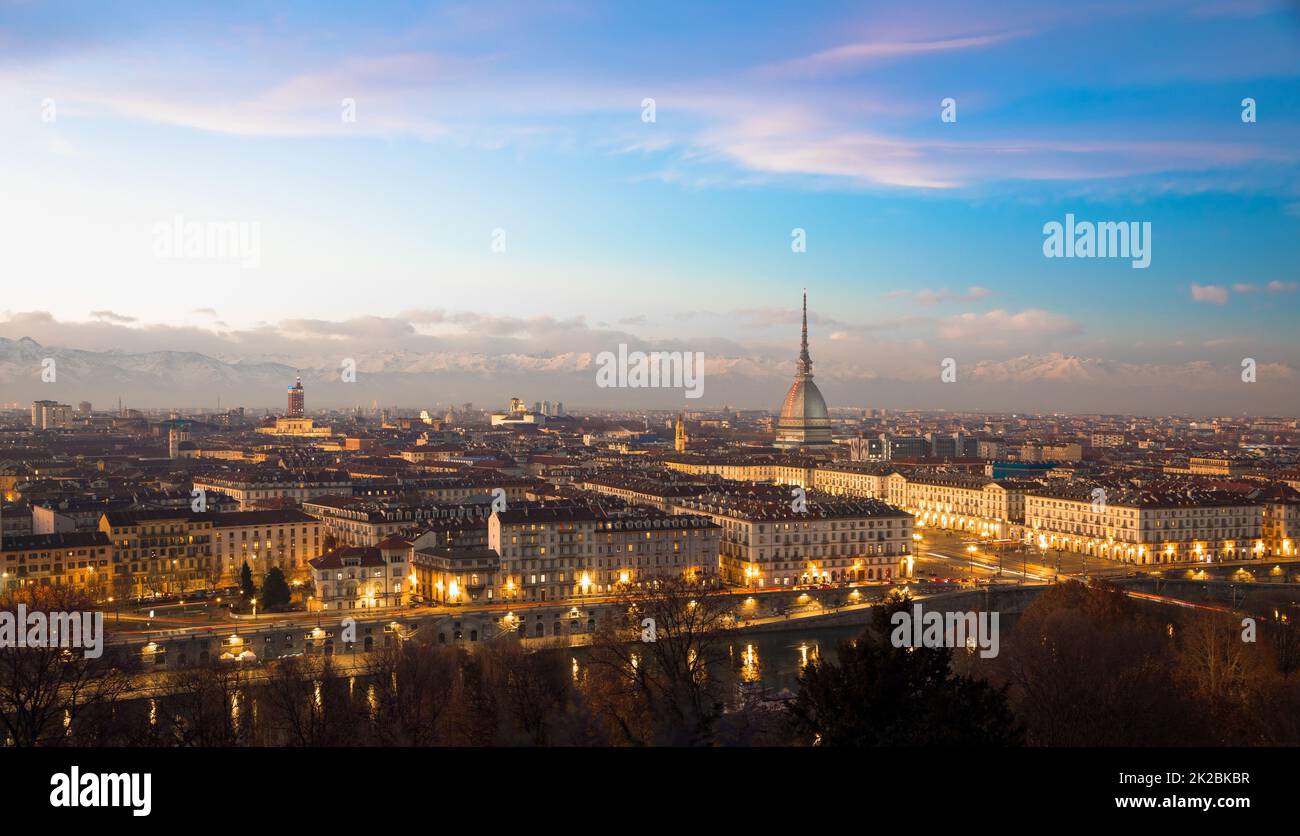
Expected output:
(934, 297)
(854, 56)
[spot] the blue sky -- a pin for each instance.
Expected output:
(924, 237)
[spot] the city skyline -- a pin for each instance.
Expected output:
(376, 237)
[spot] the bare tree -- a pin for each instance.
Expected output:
(205, 706)
(307, 703)
(46, 690)
(415, 684)
(666, 654)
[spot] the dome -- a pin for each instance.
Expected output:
(804, 402)
(804, 421)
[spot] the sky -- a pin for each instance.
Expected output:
(521, 185)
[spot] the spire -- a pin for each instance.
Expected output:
(805, 360)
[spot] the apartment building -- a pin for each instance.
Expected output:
(80, 559)
(557, 552)
(765, 541)
(461, 488)
(16, 520)
(1280, 509)
(1151, 524)
(262, 539)
(782, 470)
(971, 503)
(161, 552)
(454, 574)
(651, 489)
(252, 488)
(852, 479)
(366, 521)
(362, 577)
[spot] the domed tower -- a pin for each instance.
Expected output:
(804, 421)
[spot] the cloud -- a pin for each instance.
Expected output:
(1282, 287)
(997, 324)
(766, 317)
(205, 311)
(109, 316)
(1211, 293)
(933, 297)
(854, 56)
(786, 118)
(1095, 371)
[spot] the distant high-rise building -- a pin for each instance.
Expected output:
(546, 408)
(559, 408)
(84, 407)
(50, 415)
(297, 400)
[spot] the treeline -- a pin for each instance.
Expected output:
(1083, 666)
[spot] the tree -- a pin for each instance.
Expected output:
(1086, 667)
(415, 685)
(881, 695)
(275, 589)
(47, 694)
(123, 585)
(658, 673)
(246, 587)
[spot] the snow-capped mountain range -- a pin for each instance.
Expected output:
(1050, 381)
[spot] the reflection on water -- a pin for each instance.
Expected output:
(775, 660)
(768, 661)
(749, 669)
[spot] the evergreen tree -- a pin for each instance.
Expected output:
(881, 695)
(275, 590)
(246, 587)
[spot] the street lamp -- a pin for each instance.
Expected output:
(253, 601)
